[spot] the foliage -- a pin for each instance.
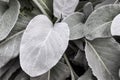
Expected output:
(59, 40)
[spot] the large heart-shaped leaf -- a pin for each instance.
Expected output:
(100, 18)
(9, 18)
(75, 24)
(103, 56)
(115, 27)
(42, 45)
(59, 72)
(62, 8)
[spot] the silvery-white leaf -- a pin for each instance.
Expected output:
(100, 32)
(115, 26)
(103, 56)
(59, 72)
(9, 18)
(42, 45)
(62, 8)
(75, 24)
(87, 75)
(105, 2)
(88, 9)
(100, 17)
(9, 48)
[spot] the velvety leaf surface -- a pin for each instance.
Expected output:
(9, 48)
(42, 45)
(99, 18)
(9, 18)
(75, 24)
(103, 56)
(62, 8)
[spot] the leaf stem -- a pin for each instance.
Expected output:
(41, 8)
(68, 63)
(49, 75)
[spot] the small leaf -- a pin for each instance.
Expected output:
(75, 24)
(42, 45)
(103, 56)
(62, 8)
(101, 17)
(87, 75)
(115, 27)
(9, 18)
(88, 9)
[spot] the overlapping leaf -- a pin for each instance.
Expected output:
(42, 45)
(101, 18)
(62, 8)
(9, 18)
(115, 27)
(103, 56)
(75, 24)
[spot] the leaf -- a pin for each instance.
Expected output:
(9, 48)
(88, 9)
(100, 32)
(62, 8)
(115, 26)
(42, 45)
(75, 24)
(100, 18)
(5, 68)
(105, 2)
(87, 75)
(59, 72)
(9, 18)
(13, 69)
(103, 56)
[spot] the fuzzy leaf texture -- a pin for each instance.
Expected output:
(103, 56)
(9, 18)
(62, 8)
